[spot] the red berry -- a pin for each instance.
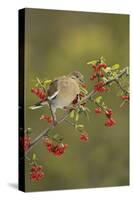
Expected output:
(102, 65)
(98, 110)
(36, 173)
(99, 87)
(101, 75)
(84, 137)
(39, 92)
(56, 149)
(110, 122)
(125, 97)
(48, 118)
(25, 142)
(92, 77)
(109, 112)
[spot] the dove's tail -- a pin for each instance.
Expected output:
(38, 105)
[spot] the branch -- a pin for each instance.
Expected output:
(63, 118)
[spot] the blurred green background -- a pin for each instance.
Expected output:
(56, 43)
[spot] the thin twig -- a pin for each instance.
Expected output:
(69, 122)
(120, 86)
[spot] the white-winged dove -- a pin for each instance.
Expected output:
(61, 92)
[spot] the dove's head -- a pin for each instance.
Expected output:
(77, 76)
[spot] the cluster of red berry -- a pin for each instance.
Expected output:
(99, 86)
(97, 71)
(25, 142)
(48, 118)
(98, 110)
(39, 93)
(36, 173)
(125, 97)
(110, 121)
(55, 148)
(84, 137)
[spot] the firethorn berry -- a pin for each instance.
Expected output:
(99, 66)
(56, 149)
(92, 77)
(110, 122)
(109, 112)
(59, 150)
(48, 118)
(125, 97)
(98, 110)
(36, 173)
(39, 92)
(99, 87)
(102, 65)
(101, 74)
(25, 141)
(84, 137)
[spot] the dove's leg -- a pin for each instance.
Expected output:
(53, 110)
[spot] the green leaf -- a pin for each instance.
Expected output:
(92, 62)
(98, 99)
(76, 117)
(86, 114)
(47, 81)
(102, 59)
(55, 136)
(122, 104)
(29, 131)
(79, 126)
(72, 113)
(34, 157)
(115, 67)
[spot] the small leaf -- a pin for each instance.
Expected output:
(98, 99)
(29, 131)
(122, 104)
(92, 62)
(72, 114)
(34, 157)
(80, 126)
(102, 59)
(115, 67)
(47, 81)
(76, 117)
(86, 114)
(55, 136)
